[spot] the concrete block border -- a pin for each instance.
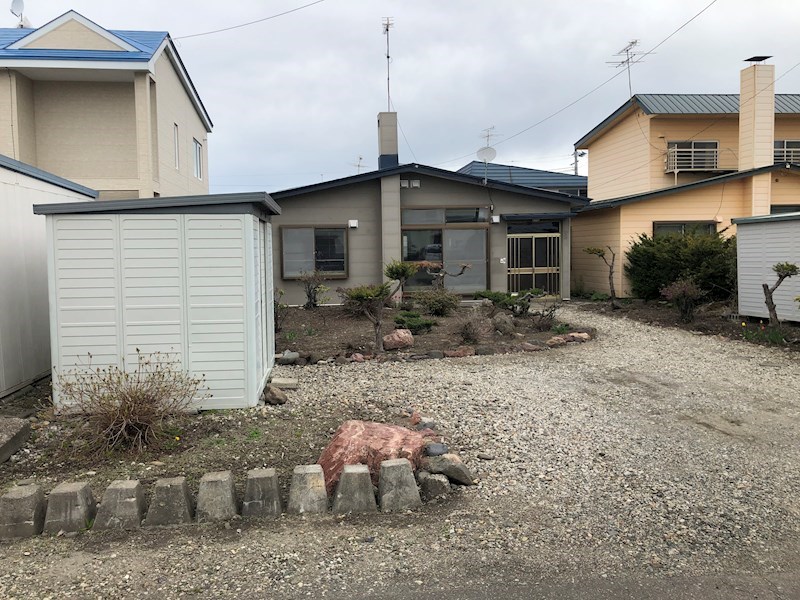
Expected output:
(71, 507)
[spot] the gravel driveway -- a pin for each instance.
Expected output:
(646, 453)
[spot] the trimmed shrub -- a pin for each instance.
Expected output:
(518, 303)
(709, 260)
(437, 302)
(414, 322)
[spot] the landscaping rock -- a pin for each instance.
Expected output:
(398, 488)
(357, 357)
(556, 340)
(435, 449)
(355, 493)
(504, 323)
(436, 354)
(70, 507)
(274, 395)
(284, 383)
(341, 360)
(171, 503)
(433, 485)
(364, 442)
(122, 506)
(288, 358)
(14, 433)
(22, 512)
(485, 456)
(451, 466)
(399, 338)
(578, 336)
(528, 347)
(262, 494)
(301, 362)
(307, 493)
(460, 352)
(484, 350)
(426, 423)
(216, 497)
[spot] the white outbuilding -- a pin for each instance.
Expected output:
(190, 276)
(24, 332)
(762, 242)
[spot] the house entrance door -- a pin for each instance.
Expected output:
(534, 261)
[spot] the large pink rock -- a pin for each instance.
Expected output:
(399, 338)
(367, 443)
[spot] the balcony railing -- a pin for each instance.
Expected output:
(787, 155)
(694, 159)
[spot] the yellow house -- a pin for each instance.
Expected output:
(114, 111)
(670, 162)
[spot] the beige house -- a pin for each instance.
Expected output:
(112, 110)
(513, 237)
(672, 162)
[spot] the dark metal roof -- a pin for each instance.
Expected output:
(793, 216)
(416, 169)
(688, 104)
(31, 171)
(196, 204)
(524, 176)
(612, 202)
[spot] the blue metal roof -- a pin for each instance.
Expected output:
(536, 178)
(147, 42)
(31, 171)
(688, 104)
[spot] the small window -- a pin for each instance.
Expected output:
(782, 209)
(423, 216)
(307, 249)
(198, 159)
(466, 215)
(684, 228)
(176, 140)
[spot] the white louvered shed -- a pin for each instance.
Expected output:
(190, 276)
(762, 242)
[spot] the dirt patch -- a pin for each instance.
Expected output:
(716, 318)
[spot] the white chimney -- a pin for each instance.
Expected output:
(757, 130)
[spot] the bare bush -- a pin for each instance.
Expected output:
(472, 325)
(543, 314)
(127, 410)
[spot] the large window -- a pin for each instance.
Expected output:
(307, 249)
(683, 228)
(443, 236)
(787, 151)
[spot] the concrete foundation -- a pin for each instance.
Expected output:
(307, 493)
(70, 507)
(397, 487)
(171, 503)
(122, 506)
(262, 494)
(355, 493)
(216, 498)
(13, 435)
(22, 512)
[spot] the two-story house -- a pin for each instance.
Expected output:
(115, 111)
(666, 163)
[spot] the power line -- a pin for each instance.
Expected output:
(194, 35)
(593, 90)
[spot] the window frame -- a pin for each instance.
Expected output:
(783, 150)
(684, 225)
(697, 164)
(333, 275)
(198, 159)
(176, 142)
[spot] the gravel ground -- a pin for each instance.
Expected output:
(646, 453)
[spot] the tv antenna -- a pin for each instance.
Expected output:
(358, 165)
(631, 57)
(17, 9)
(388, 23)
(487, 154)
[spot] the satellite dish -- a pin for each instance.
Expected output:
(17, 7)
(486, 154)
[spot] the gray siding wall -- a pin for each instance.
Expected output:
(335, 208)
(759, 246)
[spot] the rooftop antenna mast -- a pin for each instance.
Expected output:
(487, 154)
(358, 165)
(388, 23)
(631, 57)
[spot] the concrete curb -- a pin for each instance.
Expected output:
(216, 499)
(22, 512)
(171, 505)
(262, 494)
(307, 493)
(355, 493)
(70, 507)
(122, 506)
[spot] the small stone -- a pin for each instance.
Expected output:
(436, 449)
(341, 360)
(484, 350)
(528, 347)
(288, 358)
(450, 465)
(460, 352)
(357, 357)
(436, 354)
(274, 396)
(556, 340)
(433, 485)
(485, 456)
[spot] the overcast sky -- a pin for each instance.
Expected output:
(294, 99)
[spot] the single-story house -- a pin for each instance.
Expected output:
(513, 237)
(24, 329)
(761, 243)
(190, 276)
(575, 185)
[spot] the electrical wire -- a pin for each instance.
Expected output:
(275, 16)
(403, 133)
